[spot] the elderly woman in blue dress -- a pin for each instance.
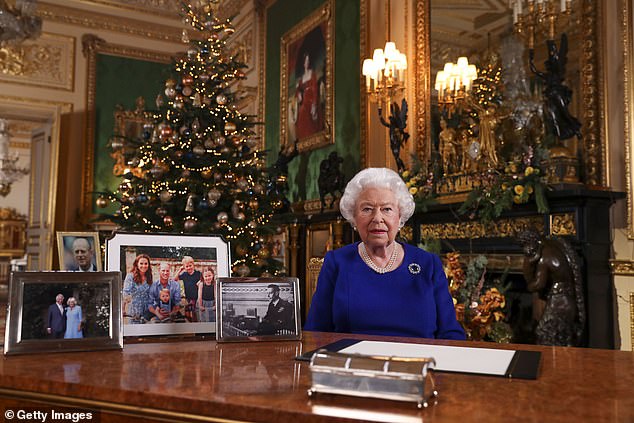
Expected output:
(73, 320)
(379, 286)
(136, 287)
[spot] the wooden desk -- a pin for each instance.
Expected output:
(206, 381)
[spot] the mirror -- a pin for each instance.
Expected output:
(478, 28)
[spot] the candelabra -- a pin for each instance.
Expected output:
(534, 16)
(385, 74)
(454, 83)
(9, 172)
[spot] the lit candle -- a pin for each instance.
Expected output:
(563, 5)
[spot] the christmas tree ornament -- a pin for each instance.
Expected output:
(190, 224)
(264, 253)
(230, 127)
(213, 203)
(207, 174)
(251, 142)
(187, 80)
(203, 77)
(258, 189)
(170, 92)
(161, 212)
(221, 99)
(241, 216)
(189, 206)
(183, 129)
(178, 101)
(178, 154)
(214, 194)
(217, 176)
(252, 224)
(199, 150)
(124, 187)
(191, 53)
(197, 100)
(168, 221)
(222, 217)
(187, 90)
(141, 198)
(277, 204)
(253, 204)
(159, 101)
(203, 204)
(209, 143)
(186, 174)
(236, 141)
(165, 196)
(102, 202)
(243, 270)
(219, 140)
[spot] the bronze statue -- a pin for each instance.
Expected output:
(557, 96)
(398, 136)
(552, 270)
(331, 178)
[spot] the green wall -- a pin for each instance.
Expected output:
(120, 80)
(304, 170)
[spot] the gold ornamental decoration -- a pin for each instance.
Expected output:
(502, 228)
(563, 224)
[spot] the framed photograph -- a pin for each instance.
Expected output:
(306, 95)
(168, 281)
(63, 311)
(79, 251)
(258, 309)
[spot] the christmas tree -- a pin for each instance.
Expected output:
(196, 167)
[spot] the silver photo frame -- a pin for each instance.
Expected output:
(258, 309)
(38, 323)
(123, 249)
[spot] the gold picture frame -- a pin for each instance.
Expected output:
(73, 254)
(35, 323)
(307, 81)
(628, 69)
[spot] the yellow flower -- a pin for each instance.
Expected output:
(405, 174)
(519, 189)
(529, 171)
(529, 189)
(413, 190)
(513, 168)
(517, 199)
(505, 186)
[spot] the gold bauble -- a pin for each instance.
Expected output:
(230, 127)
(264, 253)
(102, 202)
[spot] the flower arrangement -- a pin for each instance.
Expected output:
(499, 191)
(480, 303)
(421, 185)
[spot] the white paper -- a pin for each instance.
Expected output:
(451, 359)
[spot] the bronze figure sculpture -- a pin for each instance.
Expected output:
(551, 269)
(557, 95)
(398, 136)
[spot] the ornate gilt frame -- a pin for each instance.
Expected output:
(91, 47)
(628, 103)
(325, 136)
(592, 88)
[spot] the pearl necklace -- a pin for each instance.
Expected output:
(380, 270)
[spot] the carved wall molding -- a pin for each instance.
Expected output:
(563, 224)
(593, 95)
(167, 8)
(622, 267)
(502, 228)
(47, 62)
(363, 98)
(423, 89)
(94, 20)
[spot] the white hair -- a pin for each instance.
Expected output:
(377, 177)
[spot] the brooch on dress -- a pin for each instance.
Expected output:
(414, 268)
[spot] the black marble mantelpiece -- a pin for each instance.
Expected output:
(581, 215)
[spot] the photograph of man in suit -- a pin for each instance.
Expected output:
(56, 320)
(279, 315)
(83, 254)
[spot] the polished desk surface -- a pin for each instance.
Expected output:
(202, 380)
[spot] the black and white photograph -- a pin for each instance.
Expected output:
(258, 309)
(168, 281)
(63, 311)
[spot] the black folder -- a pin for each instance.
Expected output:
(524, 365)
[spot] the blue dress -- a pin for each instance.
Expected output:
(73, 318)
(140, 294)
(412, 300)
